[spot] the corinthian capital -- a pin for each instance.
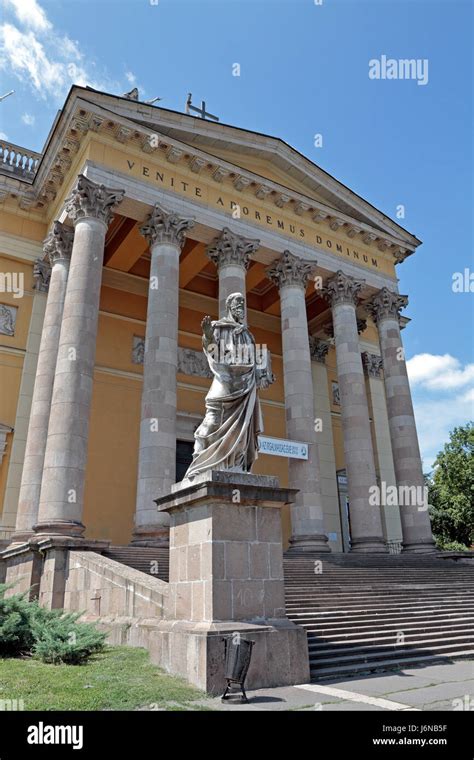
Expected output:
(58, 244)
(290, 270)
(342, 289)
(372, 363)
(386, 305)
(318, 349)
(41, 275)
(230, 248)
(164, 226)
(88, 199)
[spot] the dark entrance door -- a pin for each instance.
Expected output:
(184, 456)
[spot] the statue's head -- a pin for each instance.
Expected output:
(235, 304)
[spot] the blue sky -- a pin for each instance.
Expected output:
(303, 71)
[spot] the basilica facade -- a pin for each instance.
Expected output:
(132, 225)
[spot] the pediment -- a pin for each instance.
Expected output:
(268, 158)
(264, 169)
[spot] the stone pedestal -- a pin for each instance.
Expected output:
(226, 577)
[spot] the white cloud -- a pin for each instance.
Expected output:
(28, 119)
(439, 372)
(440, 398)
(43, 58)
(130, 77)
(3, 136)
(30, 14)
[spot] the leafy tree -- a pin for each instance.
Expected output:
(451, 489)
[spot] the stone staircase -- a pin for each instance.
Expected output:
(150, 560)
(365, 614)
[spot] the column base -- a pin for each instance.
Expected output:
(427, 546)
(151, 535)
(20, 537)
(369, 545)
(67, 528)
(309, 543)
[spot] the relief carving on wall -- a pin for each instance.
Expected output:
(190, 362)
(336, 398)
(138, 349)
(7, 319)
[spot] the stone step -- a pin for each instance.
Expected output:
(395, 663)
(319, 601)
(142, 558)
(401, 623)
(409, 608)
(362, 613)
(372, 655)
(353, 610)
(379, 577)
(317, 641)
(321, 650)
(375, 628)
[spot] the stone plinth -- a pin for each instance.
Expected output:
(226, 576)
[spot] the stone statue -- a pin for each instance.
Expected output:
(227, 437)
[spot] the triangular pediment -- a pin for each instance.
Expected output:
(268, 158)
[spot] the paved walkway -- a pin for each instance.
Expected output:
(448, 686)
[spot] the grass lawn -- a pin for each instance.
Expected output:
(122, 678)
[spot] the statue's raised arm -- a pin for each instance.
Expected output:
(207, 332)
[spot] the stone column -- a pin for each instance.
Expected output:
(57, 248)
(231, 254)
(291, 275)
(385, 307)
(383, 447)
(165, 232)
(323, 426)
(62, 491)
(341, 292)
(41, 276)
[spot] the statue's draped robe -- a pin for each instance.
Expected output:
(227, 437)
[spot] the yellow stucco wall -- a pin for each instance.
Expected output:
(12, 348)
